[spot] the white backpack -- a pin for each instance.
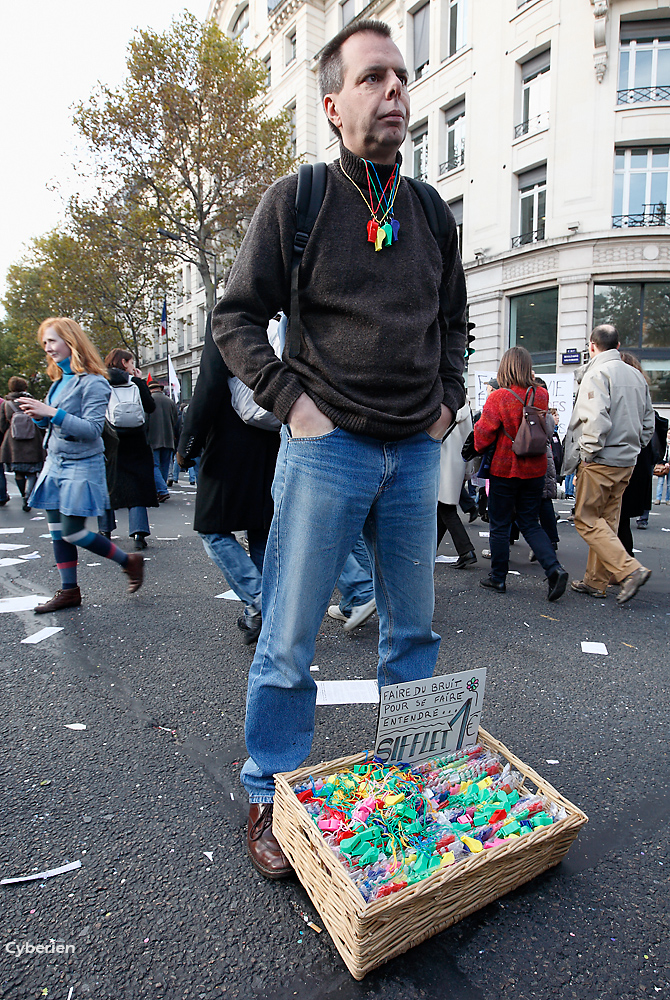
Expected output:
(124, 408)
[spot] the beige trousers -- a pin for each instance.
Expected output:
(597, 510)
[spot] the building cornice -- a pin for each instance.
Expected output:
(285, 10)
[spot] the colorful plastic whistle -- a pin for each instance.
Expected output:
(373, 227)
(473, 845)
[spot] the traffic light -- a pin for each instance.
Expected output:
(469, 349)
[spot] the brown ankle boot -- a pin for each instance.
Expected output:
(62, 599)
(263, 847)
(134, 569)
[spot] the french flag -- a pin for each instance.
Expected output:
(164, 318)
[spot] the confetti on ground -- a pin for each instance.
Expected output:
(10, 547)
(484, 534)
(11, 531)
(31, 555)
(78, 726)
(9, 562)
(549, 618)
(513, 572)
(21, 603)
(229, 595)
(446, 559)
(526, 624)
(594, 647)
(637, 550)
(553, 761)
(94, 564)
(209, 854)
(43, 633)
(40, 875)
(314, 667)
(40, 517)
(629, 645)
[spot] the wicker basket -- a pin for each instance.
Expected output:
(369, 934)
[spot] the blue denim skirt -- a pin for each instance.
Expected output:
(77, 488)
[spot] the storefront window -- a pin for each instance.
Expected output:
(534, 324)
(641, 313)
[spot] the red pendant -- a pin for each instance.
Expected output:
(373, 226)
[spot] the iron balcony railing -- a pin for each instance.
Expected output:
(535, 124)
(524, 238)
(651, 215)
(457, 160)
(643, 95)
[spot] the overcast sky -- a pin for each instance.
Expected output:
(51, 56)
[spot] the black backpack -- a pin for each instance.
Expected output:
(309, 198)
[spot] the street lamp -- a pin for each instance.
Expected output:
(165, 234)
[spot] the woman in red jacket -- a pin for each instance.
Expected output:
(515, 484)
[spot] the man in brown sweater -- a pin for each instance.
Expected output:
(365, 404)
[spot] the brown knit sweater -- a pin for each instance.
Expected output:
(378, 355)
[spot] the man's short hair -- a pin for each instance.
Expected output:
(331, 66)
(605, 337)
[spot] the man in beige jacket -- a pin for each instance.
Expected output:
(612, 420)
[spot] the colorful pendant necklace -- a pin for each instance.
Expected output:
(382, 228)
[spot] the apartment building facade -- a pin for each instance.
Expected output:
(545, 125)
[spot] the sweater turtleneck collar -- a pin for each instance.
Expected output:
(65, 366)
(355, 168)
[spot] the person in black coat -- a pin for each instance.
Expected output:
(234, 482)
(636, 499)
(130, 479)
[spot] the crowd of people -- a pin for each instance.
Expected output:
(340, 442)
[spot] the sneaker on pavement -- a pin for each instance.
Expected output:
(632, 584)
(339, 616)
(584, 588)
(360, 614)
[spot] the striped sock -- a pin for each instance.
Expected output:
(66, 561)
(98, 544)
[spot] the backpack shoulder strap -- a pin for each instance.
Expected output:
(434, 207)
(309, 197)
(522, 401)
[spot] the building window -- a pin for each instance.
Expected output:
(644, 62)
(455, 122)
(535, 96)
(532, 206)
(180, 334)
(267, 62)
(201, 323)
(186, 384)
(534, 325)
(347, 12)
(641, 313)
(641, 187)
(293, 134)
(456, 25)
(241, 27)
(291, 46)
(421, 31)
(457, 212)
(420, 153)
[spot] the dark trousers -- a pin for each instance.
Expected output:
(448, 520)
(626, 535)
(465, 501)
(548, 520)
(520, 498)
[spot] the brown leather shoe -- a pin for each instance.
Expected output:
(62, 599)
(263, 848)
(134, 569)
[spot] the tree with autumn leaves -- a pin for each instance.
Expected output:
(186, 145)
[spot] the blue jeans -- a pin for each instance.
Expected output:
(192, 472)
(327, 490)
(569, 485)
(138, 521)
(355, 581)
(659, 491)
(244, 575)
(517, 499)
(4, 495)
(162, 463)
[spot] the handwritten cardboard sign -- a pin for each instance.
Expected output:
(559, 385)
(429, 718)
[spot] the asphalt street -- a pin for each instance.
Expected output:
(147, 797)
